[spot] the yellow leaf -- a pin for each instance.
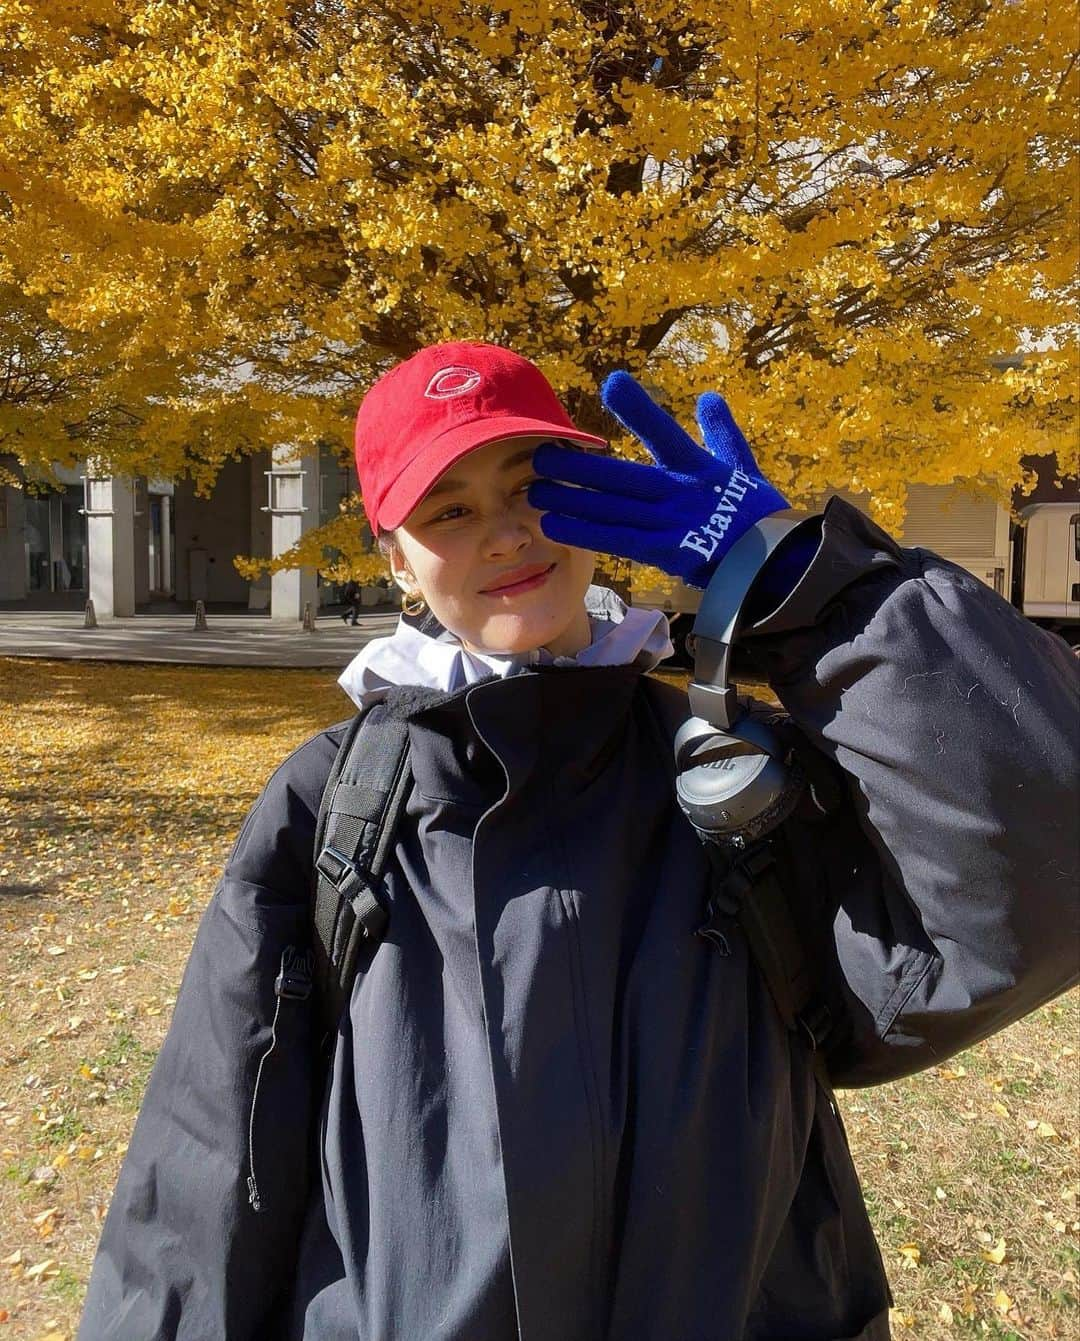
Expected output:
(996, 1254)
(945, 1315)
(43, 1269)
(911, 1254)
(1002, 1302)
(1000, 1109)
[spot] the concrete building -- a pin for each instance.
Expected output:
(151, 544)
(131, 544)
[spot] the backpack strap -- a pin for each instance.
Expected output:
(363, 800)
(751, 891)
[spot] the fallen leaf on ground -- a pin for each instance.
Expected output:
(40, 1270)
(996, 1254)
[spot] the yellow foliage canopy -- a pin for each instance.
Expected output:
(845, 217)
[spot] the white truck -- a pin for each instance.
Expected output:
(1034, 562)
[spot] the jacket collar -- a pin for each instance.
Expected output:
(621, 636)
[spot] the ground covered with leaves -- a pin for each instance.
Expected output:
(121, 789)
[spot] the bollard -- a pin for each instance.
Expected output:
(89, 619)
(200, 616)
(309, 618)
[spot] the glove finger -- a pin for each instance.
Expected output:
(723, 437)
(590, 505)
(671, 446)
(624, 541)
(629, 479)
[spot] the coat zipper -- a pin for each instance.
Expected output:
(293, 983)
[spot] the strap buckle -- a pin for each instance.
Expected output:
(337, 867)
(731, 886)
(294, 975)
(352, 884)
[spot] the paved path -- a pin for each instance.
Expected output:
(229, 640)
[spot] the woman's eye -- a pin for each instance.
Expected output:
(449, 514)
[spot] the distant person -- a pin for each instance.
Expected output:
(562, 1101)
(353, 601)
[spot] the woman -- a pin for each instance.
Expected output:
(551, 1109)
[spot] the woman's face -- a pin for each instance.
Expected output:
(474, 550)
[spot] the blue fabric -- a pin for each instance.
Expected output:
(681, 515)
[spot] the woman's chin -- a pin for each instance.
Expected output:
(507, 641)
(513, 635)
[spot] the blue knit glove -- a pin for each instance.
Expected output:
(681, 515)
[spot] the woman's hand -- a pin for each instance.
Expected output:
(681, 515)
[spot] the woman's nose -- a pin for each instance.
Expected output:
(511, 530)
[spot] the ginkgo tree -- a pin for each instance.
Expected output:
(848, 217)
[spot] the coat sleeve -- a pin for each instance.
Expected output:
(184, 1255)
(955, 721)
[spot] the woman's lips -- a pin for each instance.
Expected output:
(520, 580)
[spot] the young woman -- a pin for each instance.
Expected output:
(551, 1109)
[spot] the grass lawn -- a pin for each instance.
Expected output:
(121, 789)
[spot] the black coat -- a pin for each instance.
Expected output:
(553, 1111)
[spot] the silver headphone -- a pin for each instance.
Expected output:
(733, 780)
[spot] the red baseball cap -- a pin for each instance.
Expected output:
(435, 408)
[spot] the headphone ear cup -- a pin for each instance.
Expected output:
(734, 783)
(778, 810)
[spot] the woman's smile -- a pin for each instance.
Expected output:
(520, 580)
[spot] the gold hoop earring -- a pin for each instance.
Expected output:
(412, 604)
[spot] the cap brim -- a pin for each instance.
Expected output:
(436, 458)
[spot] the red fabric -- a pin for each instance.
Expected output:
(431, 410)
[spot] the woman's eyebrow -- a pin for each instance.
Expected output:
(518, 458)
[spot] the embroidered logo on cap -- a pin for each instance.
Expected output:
(453, 381)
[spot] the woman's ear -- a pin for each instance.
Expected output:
(402, 574)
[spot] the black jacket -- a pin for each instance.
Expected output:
(553, 1111)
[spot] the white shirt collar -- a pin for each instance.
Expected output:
(621, 636)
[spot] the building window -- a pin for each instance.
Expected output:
(286, 491)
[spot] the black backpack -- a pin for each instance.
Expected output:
(362, 804)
